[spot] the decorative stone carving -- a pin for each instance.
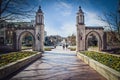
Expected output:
(38, 36)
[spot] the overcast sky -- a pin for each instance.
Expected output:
(60, 15)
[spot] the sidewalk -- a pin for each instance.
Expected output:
(58, 64)
(59, 49)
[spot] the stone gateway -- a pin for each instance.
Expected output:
(37, 33)
(84, 32)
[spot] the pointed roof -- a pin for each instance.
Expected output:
(39, 10)
(80, 10)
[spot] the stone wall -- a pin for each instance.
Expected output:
(14, 66)
(6, 48)
(108, 73)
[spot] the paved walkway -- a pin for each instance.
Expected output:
(58, 64)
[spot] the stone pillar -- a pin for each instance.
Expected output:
(80, 38)
(14, 41)
(39, 31)
(105, 41)
(39, 38)
(17, 41)
(77, 39)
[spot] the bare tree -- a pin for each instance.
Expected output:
(15, 9)
(113, 21)
(72, 39)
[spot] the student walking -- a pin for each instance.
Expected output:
(63, 46)
(66, 46)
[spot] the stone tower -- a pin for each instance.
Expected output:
(80, 38)
(39, 30)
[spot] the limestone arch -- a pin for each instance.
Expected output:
(20, 37)
(97, 35)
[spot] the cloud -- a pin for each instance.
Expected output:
(66, 13)
(64, 5)
(61, 26)
(65, 9)
(40, 1)
(51, 30)
(93, 19)
(68, 29)
(65, 30)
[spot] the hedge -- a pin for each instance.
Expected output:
(106, 59)
(47, 49)
(14, 56)
(72, 49)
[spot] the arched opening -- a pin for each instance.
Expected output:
(93, 41)
(26, 41)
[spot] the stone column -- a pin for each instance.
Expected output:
(77, 40)
(39, 31)
(80, 38)
(39, 38)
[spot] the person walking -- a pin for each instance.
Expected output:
(66, 46)
(63, 46)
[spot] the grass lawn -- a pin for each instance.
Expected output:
(14, 56)
(106, 59)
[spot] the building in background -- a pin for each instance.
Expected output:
(53, 40)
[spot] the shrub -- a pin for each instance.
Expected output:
(26, 47)
(106, 59)
(14, 56)
(72, 49)
(47, 49)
